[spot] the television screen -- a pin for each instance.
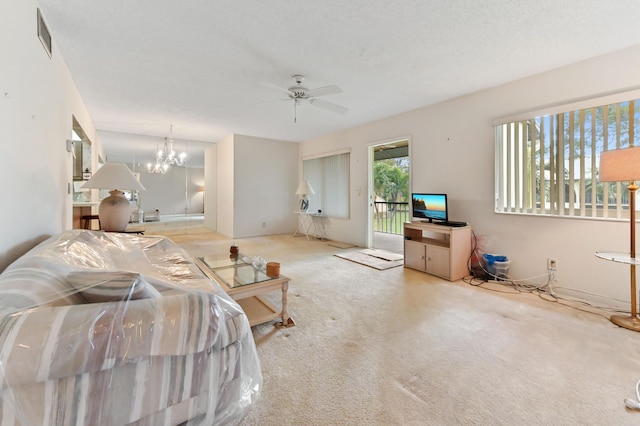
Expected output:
(429, 207)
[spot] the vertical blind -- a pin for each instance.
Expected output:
(548, 165)
(329, 178)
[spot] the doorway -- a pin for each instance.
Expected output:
(389, 193)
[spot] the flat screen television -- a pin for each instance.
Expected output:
(429, 207)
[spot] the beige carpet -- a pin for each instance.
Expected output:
(378, 259)
(399, 347)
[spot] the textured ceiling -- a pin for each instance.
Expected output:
(205, 66)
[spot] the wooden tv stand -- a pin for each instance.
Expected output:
(438, 250)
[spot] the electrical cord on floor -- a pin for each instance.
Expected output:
(630, 403)
(474, 241)
(544, 290)
(603, 308)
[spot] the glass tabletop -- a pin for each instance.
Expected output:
(241, 275)
(216, 261)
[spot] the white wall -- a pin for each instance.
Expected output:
(225, 177)
(256, 182)
(37, 101)
(452, 151)
(266, 178)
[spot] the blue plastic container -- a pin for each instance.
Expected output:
(496, 265)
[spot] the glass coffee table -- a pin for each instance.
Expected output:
(246, 285)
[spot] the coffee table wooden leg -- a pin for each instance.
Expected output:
(287, 321)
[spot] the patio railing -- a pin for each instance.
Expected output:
(389, 216)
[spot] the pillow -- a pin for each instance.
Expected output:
(97, 287)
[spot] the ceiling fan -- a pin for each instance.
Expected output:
(299, 94)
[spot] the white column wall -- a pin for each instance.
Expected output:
(225, 177)
(265, 181)
(211, 187)
(255, 181)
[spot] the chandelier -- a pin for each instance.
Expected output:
(166, 157)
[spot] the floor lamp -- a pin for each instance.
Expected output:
(623, 165)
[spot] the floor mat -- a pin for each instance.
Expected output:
(374, 261)
(383, 254)
(338, 244)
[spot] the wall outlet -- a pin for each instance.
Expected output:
(552, 264)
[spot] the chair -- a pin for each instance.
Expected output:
(87, 220)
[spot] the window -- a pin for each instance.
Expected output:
(329, 178)
(548, 165)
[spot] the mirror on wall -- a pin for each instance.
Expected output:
(172, 202)
(81, 162)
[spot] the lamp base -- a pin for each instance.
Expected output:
(114, 212)
(626, 321)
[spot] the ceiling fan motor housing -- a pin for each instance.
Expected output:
(299, 92)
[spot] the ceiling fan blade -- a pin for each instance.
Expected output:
(325, 90)
(328, 106)
(279, 89)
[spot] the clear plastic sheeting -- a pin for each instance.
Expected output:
(113, 329)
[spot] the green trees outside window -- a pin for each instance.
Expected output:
(391, 190)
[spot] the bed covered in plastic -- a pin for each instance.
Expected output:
(113, 329)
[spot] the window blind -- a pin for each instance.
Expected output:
(548, 165)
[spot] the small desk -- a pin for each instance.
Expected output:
(307, 220)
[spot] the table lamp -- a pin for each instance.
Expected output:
(623, 165)
(115, 210)
(304, 189)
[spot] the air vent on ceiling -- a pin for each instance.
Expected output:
(43, 34)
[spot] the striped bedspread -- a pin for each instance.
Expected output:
(113, 329)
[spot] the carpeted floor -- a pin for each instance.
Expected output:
(399, 347)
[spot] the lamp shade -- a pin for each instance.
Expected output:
(114, 176)
(620, 165)
(304, 188)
